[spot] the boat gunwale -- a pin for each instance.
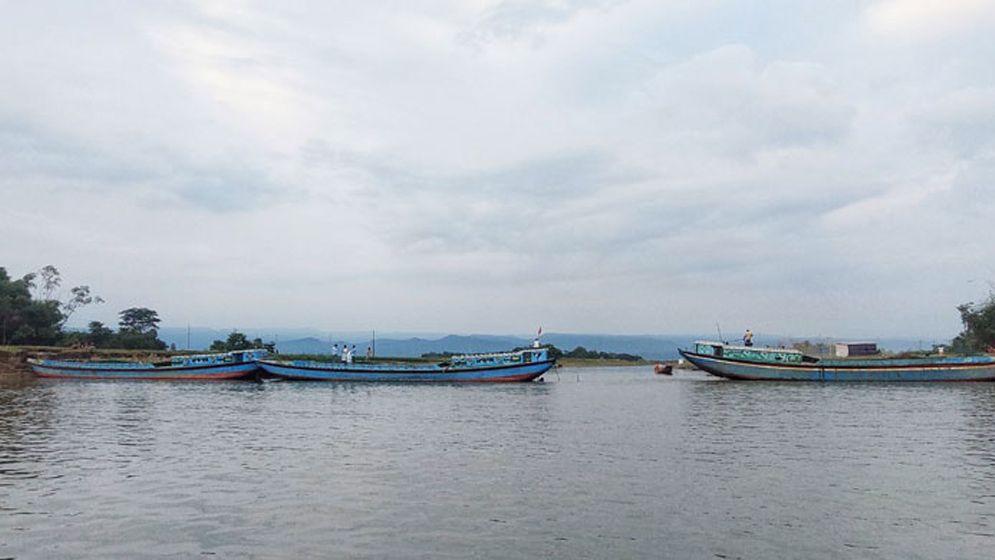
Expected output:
(41, 363)
(346, 368)
(227, 376)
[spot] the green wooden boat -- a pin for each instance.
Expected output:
(783, 364)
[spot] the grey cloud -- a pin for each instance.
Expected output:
(726, 99)
(35, 157)
(486, 210)
(515, 19)
(32, 151)
(963, 120)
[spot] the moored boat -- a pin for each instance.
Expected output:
(780, 364)
(519, 365)
(204, 367)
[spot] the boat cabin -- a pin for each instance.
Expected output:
(528, 356)
(749, 353)
(237, 357)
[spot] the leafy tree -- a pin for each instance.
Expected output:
(50, 279)
(238, 341)
(80, 297)
(140, 320)
(24, 320)
(39, 324)
(132, 340)
(138, 329)
(99, 336)
(979, 327)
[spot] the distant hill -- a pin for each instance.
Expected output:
(651, 347)
(308, 345)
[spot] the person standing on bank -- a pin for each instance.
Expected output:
(748, 338)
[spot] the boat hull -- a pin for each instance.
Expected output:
(319, 371)
(218, 372)
(940, 369)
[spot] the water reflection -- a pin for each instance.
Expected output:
(599, 463)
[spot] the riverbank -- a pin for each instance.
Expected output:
(14, 359)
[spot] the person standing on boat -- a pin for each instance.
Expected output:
(748, 338)
(352, 352)
(335, 350)
(345, 353)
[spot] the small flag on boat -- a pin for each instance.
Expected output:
(540, 331)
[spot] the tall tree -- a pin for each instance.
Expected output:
(46, 284)
(138, 329)
(80, 297)
(139, 320)
(24, 320)
(99, 335)
(51, 279)
(979, 327)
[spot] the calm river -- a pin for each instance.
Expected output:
(609, 463)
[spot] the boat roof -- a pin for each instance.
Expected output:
(753, 348)
(216, 354)
(498, 354)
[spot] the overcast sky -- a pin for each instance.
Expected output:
(808, 168)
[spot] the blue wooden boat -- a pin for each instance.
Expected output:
(205, 367)
(779, 364)
(520, 365)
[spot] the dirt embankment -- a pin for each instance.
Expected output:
(13, 362)
(14, 359)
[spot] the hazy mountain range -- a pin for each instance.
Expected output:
(305, 341)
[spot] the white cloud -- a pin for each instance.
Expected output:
(926, 20)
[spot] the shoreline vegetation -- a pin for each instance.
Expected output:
(35, 310)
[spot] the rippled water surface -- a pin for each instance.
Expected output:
(611, 463)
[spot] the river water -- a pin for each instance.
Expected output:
(594, 463)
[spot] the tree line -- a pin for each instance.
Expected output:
(584, 354)
(34, 312)
(979, 327)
